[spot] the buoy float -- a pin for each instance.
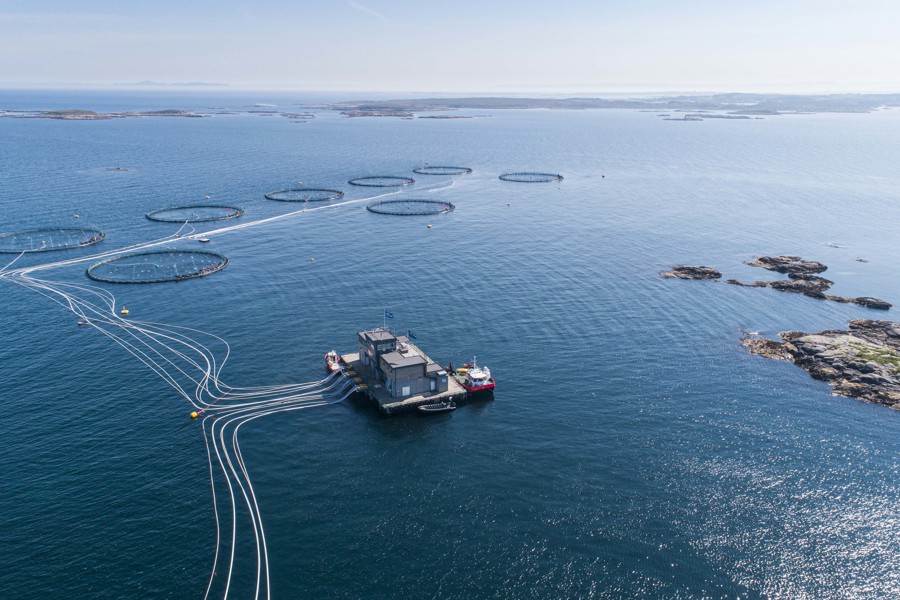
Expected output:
(194, 415)
(124, 311)
(312, 260)
(77, 216)
(81, 323)
(508, 204)
(428, 226)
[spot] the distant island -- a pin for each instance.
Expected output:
(734, 105)
(89, 115)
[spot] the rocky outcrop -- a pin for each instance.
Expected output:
(809, 285)
(766, 348)
(802, 281)
(872, 302)
(862, 361)
(688, 272)
(788, 264)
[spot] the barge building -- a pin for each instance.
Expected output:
(395, 373)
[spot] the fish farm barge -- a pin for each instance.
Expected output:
(397, 376)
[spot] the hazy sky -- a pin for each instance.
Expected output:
(457, 46)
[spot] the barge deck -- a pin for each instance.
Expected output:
(389, 405)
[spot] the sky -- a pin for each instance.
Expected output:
(458, 46)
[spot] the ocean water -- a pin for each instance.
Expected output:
(633, 448)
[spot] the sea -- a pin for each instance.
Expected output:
(632, 448)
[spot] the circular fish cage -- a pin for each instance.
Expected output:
(157, 266)
(200, 213)
(305, 195)
(410, 207)
(382, 181)
(48, 239)
(528, 177)
(443, 170)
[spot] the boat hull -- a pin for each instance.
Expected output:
(471, 390)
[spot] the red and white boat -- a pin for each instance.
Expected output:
(333, 361)
(474, 378)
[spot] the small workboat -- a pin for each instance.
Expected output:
(474, 378)
(440, 407)
(333, 361)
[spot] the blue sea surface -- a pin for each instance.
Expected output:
(633, 448)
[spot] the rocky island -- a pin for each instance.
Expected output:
(365, 112)
(862, 361)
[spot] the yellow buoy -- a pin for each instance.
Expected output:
(194, 415)
(124, 311)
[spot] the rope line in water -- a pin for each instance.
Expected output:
(185, 358)
(173, 354)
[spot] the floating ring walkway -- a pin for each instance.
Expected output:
(529, 177)
(382, 181)
(410, 207)
(443, 170)
(157, 266)
(48, 239)
(305, 195)
(199, 213)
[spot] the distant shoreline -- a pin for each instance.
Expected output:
(688, 108)
(734, 105)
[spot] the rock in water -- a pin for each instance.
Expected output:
(788, 264)
(862, 362)
(802, 281)
(688, 272)
(870, 302)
